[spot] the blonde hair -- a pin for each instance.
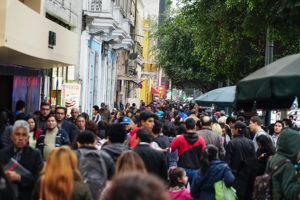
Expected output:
(129, 161)
(59, 174)
(217, 129)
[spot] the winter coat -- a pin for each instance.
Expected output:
(183, 194)
(284, 182)
(115, 150)
(237, 151)
(203, 183)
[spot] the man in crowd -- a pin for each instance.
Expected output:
(44, 112)
(190, 147)
(126, 121)
(154, 160)
(96, 115)
(193, 115)
(116, 134)
(74, 115)
(160, 141)
(70, 128)
(20, 110)
(211, 137)
(277, 129)
(255, 127)
(26, 156)
(51, 137)
(104, 112)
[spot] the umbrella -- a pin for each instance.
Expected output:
(273, 86)
(221, 97)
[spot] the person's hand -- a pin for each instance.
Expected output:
(12, 175)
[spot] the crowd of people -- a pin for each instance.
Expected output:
(162, 151)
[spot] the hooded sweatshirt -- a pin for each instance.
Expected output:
(115, 150)
(190, 147)
(284, 182)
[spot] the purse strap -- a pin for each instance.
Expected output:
(41, 188)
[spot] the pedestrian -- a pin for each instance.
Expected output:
(104, 112)
(6, 130)
(45, 110)
(74, 115)
(34, 132)
(278, 126)
(177, 182)
(170, 131)
(212, 170)
(60, 178)
(96, 115)
(80, 122)
(20, 111)
(129, 161)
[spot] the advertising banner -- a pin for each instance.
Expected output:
(70, 95)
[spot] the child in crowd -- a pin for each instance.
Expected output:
(177, 181)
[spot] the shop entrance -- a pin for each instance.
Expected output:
(6, 85)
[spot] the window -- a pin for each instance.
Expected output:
(95, 5)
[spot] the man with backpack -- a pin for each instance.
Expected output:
(280, 180)
(96, 167)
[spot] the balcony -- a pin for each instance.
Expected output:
(25, 33)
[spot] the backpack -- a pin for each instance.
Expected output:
(263, 184)
(93, 170)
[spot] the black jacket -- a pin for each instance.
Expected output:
(32, 160)
(71, 129)
(115, 150)
(155, 161)
(237, 151)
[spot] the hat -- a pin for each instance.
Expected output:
(125, 120)
(102, 104)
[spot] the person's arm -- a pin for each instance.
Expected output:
(65, 138)
(290, 186)
(175, 144)
(228, 177)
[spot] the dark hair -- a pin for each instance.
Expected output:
(85, 116)
(134, 120)
(50, 115)
(210, 152)
(45, 104)
(181, 129)
(198, 124)
(291, 116)
(266, 143)
(280, 122)
(190, 124)
(144, 135)
(96, 108)
(206, 122)
(146, 115)
(136, 186)
(129, 111)
(116, 133)
(102, 125)
(174, 174)
(241, 118)
(62, 108)
(80, 116)
(169, 129)
(241, 127)
(157, 127)
(20, 105)
(230, 119)
(287, 122)
(91, 126)
(35, 127)
(256, 119)
(86, 137)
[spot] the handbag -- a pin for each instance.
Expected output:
(222, 192)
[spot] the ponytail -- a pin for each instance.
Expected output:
(210, 152)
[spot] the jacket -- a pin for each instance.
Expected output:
(190, 147)
(284, 182)
(62, 138)
(31, 159)
(5, 136)
(211, 137)
(105, 114)
(71, 129)
(237, 151)
(115, 150)
(183, 194)
(154, 160)
(203, 183)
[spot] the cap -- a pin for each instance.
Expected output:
(102, 104)
(125, 120)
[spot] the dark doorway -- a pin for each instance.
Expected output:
(6, 83)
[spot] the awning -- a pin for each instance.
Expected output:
(127, 78)
(154, 91)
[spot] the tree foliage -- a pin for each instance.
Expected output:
(210, 41)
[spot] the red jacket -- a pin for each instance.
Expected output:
(132, 137)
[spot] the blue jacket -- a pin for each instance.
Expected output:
(203, 184)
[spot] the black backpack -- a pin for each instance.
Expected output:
(93, 170)
(263, 184)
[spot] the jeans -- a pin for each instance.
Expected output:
(190, 173)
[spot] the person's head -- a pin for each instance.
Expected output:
(147, 120)
(210, 152)
(60, 183)
(287, 123)
(102, 125)
(177, 177)
(95, 110)
(60, 113)
(143, 135)
(206, 122)
(148, 108)
(134, 123)
(230, 121)
(91, 126)
(255, 124)
(223, 127)
(291, 117)
(217, 129)
(118, 114)
(129, 161)
(169, 129)
(74, 113)
(20, 106)
(86, 116)
(80, 122)
(45, 109)
(198, 125)
(157, 128)
(189, 124)
(240, 119)
(51, 122)
(278, 126)
(129, 113)
(239, 128)
(32, 123)
(265, 144)
(86, 138)
(20, 135)
(103, 105)
(116, 133)
(126, 121)
(136, 186)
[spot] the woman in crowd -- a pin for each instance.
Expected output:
(212, 170)
(60, 178)
(34, 131)
(129, 161)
